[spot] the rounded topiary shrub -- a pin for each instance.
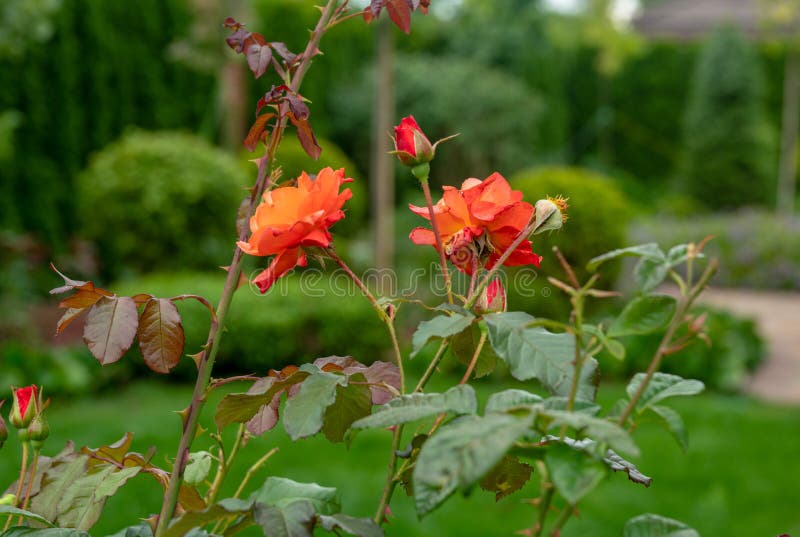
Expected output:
(160, 199)
(293, 160)
(598, 217)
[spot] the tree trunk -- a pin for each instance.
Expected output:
(381, 166)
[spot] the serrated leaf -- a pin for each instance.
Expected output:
(140, 530)
(460, 454)
(256, 130)
(243, 407)
(441, 326)
(400, 13)
(198, 467)
(650, 250)
(24, 531)
(673, 422)
(537, 353)
(578, 405)
(360, 527)
(10, 510)
(644, 315)
(280, 492)
(650, 525)
(598, 429)
(110, 328)
(306, 136)
(160, 335)
(227, 509)
(507, 477)
(296, 519)
(258, 57)
(662, 386)
(352, 403)
(511, 400)
(574, 472)
(303, 415)
(463, 346)
(619, 464)
(649, 273)
(406, 408)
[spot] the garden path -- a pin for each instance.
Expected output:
(778, 318)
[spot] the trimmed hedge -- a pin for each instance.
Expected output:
(160, 199)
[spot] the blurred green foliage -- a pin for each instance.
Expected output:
(103, 68)
(303, 317)
(729, 146)
(736, 350)
(597, 222)
(755, 248)
(165, 199)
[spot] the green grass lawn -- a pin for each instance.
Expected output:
(739, 479)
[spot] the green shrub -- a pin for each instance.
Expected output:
(729, 151)
(293, 160)
(597, 222)
(161, 199)
(303, 317)
(755, 248)
(736, 349)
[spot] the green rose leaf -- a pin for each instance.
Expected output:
(647, 251)
(644, 315)
(574, 472)
(462, 453)
(507, 477)
(673, 422)
(537, 353)
(198, 467)
(457, 400)
(662, 386)
(305, 411)
(441, 326)
(352, 402)
(650, 525)
(361, 527)
(228, 509)
(280, 492)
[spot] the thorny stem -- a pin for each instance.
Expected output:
(474, 360)
(22, 471)
(686, 302)
(432, 366)
(206, 362)
(548, 490)
(562, 519)
(391, 482)
(28, 489)
(426, 189)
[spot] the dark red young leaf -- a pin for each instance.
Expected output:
(110, 328)
(274, 95)
(258, 58)
(283, 51)
(256, 131)
(160, 335)
(70, 315)
(141, 298)
(306, 137)
(368, 15)
(86, 296)
(400, 13)
(296, 105)
(231, 23)
(375, 7)
(238, 39)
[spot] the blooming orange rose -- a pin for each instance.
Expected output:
(293, 217)
(478, 223)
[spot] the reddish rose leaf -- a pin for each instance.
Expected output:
(256, 131)
(231, 23)
(258, 58)
(382, 376)
(160, 335)
(297, 107)
(70, 315)
(238, 39)
(86, 296)
(69, 284)
(400, 13)
(283, 51)
(306, 137)
(141, 298)
(110, 328)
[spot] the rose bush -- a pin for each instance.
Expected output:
(560, 432)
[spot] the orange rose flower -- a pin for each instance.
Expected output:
(294, 217)
(478, 223)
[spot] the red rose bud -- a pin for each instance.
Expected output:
(411, 145)
(24, 407)
(493, 298)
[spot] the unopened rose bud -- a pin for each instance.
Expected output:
(493, 298)
(550, 214)
(38, 431)
(24, 407)
(411, 145)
